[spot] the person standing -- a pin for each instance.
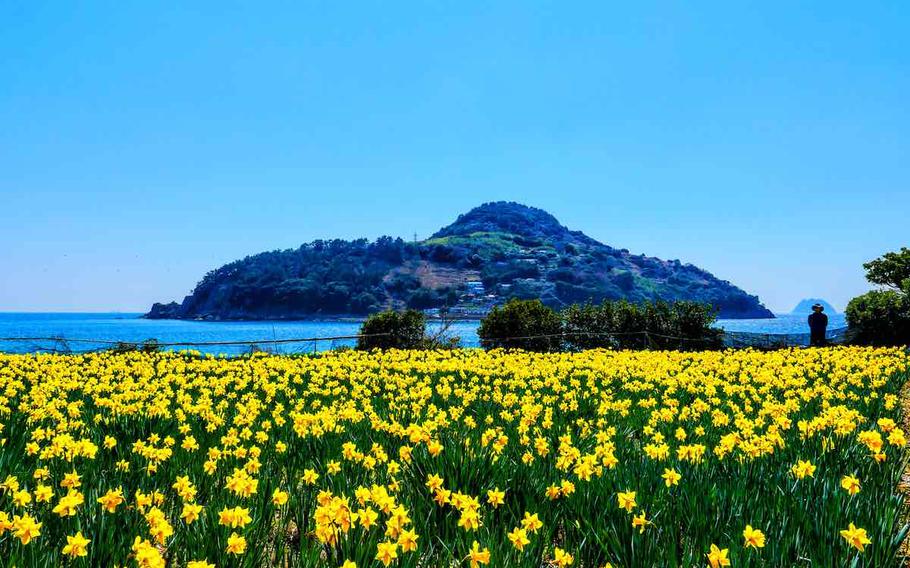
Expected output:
(818, 324)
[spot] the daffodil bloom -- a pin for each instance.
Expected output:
(43, 493)
(850, 484)
(434, 447)
(495, 497)
(22, 498)
(562, 558)
(190, 512)
(469, 520)
(184, 488)
(386, 552)
(71, 480)
(146, 554)
(5, 522)
(640, 522)
(718, 557)
(671, 477)
(519, 538)
(110, 500)
(753, 538)
(76, 545)
(279, 497)
(199, 564)
(856, 537)
(442, 496)
(434, 482)
(237, 517)
(236, 544)
(159, 527)
(803, 469)
(10, 484)
(407, 540)
(531, 523)
(367, 518)
(66, 506)
(25, 528)
(626, 500)
(478, 556)
(241, 483)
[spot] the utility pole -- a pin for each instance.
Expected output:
(415, 237)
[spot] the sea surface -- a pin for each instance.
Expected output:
(74, 332)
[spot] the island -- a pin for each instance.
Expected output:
(804, 307)
(490, 254)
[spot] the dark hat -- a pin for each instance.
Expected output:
(818, 307)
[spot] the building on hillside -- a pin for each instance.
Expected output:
(475, 288)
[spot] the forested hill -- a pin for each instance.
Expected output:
(492, 253)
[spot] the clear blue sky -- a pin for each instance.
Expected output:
(142, 145)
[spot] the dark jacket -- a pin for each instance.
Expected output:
(818, 322)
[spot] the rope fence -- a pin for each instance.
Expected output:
(781, 340)
(62, 344)
(729, 338)
(732, 339)
(192, 343)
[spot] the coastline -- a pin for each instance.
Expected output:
(348, 318)
(351, 318)
(58, 328)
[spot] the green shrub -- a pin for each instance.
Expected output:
(694, 323)
(147, 346)
(585, 326)
(892, 269)
(393, 330)
(652, 325)
(880, 317)
(628, 322)
(512, 326)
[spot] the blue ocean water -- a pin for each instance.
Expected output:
(77, 327)
(74, 328)
(782, 324)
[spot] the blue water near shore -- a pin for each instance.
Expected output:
(134, 329)
(782, 324)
